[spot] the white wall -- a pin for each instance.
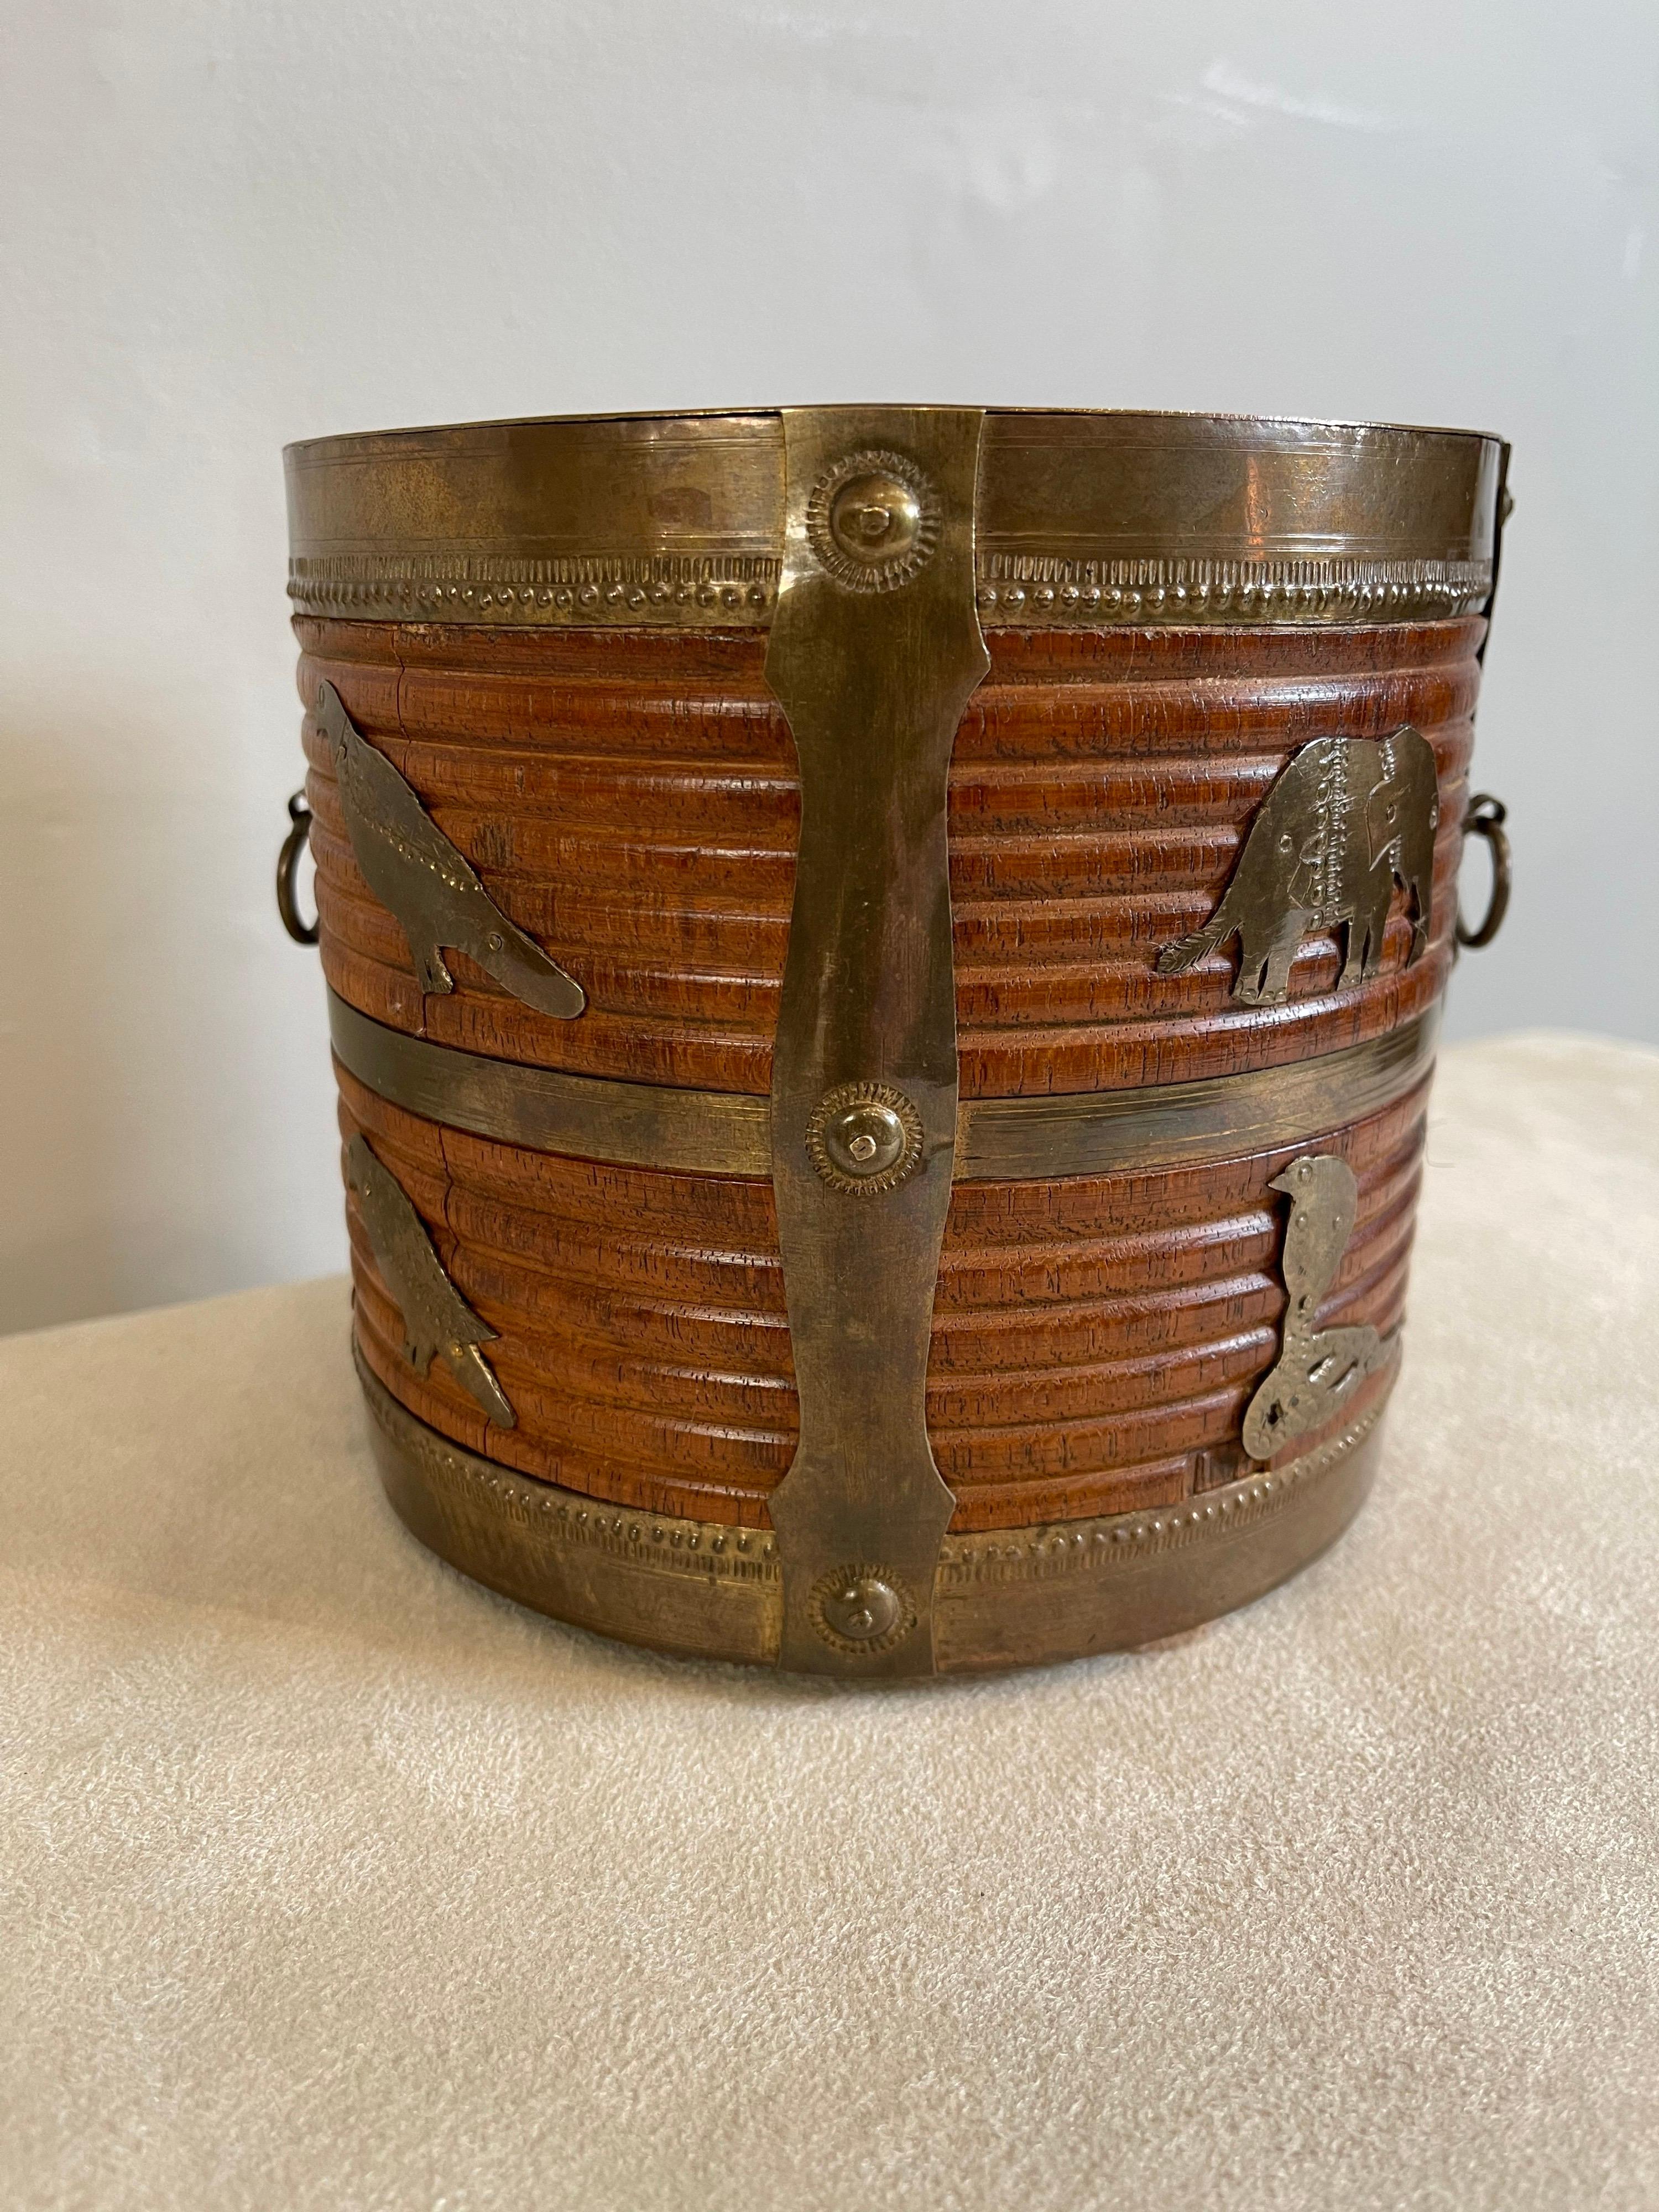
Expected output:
(228, 224)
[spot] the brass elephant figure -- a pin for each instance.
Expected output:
(1348, 817)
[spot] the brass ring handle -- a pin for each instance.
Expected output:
(288, 864)
(1486, 818)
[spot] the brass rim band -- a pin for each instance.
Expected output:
(998, 1139)
(1081, 520)
(1012, 1597)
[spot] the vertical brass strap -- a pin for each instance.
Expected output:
(874, 653)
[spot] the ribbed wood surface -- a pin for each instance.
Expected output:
(631, 800)
(1093, 1338)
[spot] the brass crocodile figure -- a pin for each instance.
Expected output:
(412, 868)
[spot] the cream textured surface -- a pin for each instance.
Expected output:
(332, 1881)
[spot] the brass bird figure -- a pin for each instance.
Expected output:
(412, 868)
(436, 1317)
(1317, 1370)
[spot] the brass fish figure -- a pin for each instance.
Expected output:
(1317, 1370)
(412, 868)
(436, 1317)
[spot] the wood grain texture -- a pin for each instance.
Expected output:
(1094, 1340)
(631, 800)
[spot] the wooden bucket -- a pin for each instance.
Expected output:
(883, 966)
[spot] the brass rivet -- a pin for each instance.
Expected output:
(865, 1138)
(875, 517)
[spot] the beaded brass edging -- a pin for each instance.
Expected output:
(998, 1139)
(1118, 1541)
(665, 1543)
(1014, 592)
(1012, 1597)
(1042, 592)
(673, 591)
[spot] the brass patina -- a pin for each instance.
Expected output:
(1086, 519)
(1012, 1597)
(1346, 819)
(874, 653)
(413, 868)
(591, 1116)
(1318, 1371)
(864, 1137)
(876, 546)
(728, 1132)
(437, 1319)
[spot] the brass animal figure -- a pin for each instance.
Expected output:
(412, 868)
(436, 1317)
(1317, 1370)
(1346, 818)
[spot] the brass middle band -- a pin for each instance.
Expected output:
(1081, 520)
(725, 1132)
(1009, 1597)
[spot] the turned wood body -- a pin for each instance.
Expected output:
(1095, 1340)
(630, 799)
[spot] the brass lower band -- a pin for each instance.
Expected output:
(1013, 1597)
(728, 1132)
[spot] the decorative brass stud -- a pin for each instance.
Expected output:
(873, 521)
(864, 1137)
(861, 1608)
